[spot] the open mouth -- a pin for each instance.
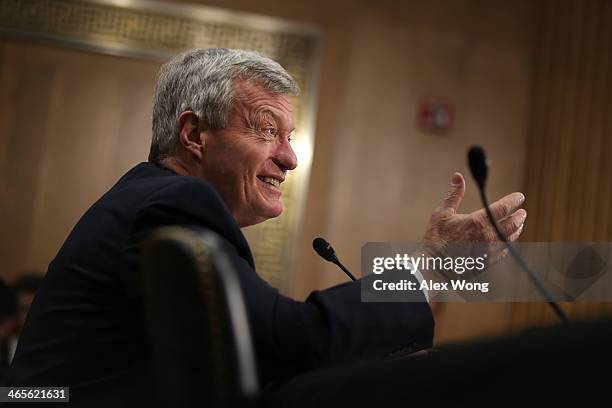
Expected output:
(270, 180)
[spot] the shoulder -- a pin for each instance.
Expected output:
(192, 202)
(152, 180)
(187, 197)
(181, 188)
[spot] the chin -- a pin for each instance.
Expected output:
(261, 216)
(272, 211)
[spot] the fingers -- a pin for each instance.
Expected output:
(512, 226)
(506, 205)
(516, 234)
(497, 256)
(454, 194)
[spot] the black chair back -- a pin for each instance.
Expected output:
(198, 325)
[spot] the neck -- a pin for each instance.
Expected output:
(172, 163)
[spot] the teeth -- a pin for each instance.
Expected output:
(271, 180)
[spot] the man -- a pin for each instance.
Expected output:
(24, 290)
(221, 149)
(8, 323)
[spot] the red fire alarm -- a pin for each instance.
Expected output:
(435, 116)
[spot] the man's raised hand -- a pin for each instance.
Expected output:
(447, 226)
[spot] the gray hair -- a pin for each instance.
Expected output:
(203, 80)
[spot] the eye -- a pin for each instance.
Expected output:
(270, 131)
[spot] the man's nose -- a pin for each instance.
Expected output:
(285, 157)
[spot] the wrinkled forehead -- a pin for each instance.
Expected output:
(255, 99)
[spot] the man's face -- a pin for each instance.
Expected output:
(248, 160)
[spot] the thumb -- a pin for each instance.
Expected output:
(455, 194)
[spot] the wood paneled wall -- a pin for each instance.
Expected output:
(71, 123)
(568, 177)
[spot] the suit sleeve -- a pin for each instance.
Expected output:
(331, 326)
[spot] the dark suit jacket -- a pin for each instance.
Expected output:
(86, 328)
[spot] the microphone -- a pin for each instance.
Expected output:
(478, 166)
(326, 251)
(477, 161)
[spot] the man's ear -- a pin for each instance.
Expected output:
(191, 135)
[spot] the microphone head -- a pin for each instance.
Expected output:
(324, 249)
(478, 165)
